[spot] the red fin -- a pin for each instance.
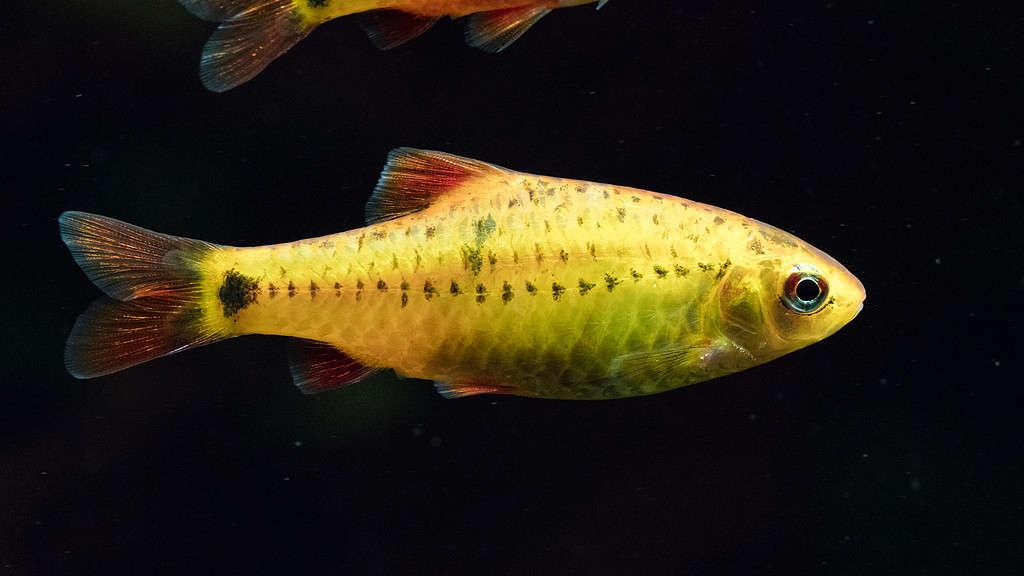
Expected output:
(412, 179)
(495, 30)
(463, 389)
(389, 29)
(157, 277)
(318, 367)
(111, 335)
(247, 41)
(127, 261)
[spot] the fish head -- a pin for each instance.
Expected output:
(783, 294)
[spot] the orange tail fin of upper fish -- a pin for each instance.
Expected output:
(152, 307)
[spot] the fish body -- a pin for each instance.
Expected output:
(485, 280)
(253, 33)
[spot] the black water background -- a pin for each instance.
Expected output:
(888, 134)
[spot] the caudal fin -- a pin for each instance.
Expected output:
(251, 35)
(153, 304)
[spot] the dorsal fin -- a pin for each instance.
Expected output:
(389, 29)
(318, 367)
(412, 179)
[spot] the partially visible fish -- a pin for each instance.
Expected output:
(253, 33)
(482, 279)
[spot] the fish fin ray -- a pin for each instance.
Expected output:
(462, 389)
(112, 335)
(413, 179)
(152, 282)
(318, 366)
(127, 261)
(672, 362)
(495, 30)
(215, 10)
(247, 41)
(389, 29)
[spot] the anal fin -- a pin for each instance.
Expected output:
(389, 29)
(495, 30)
(318, 367)
(463, 389)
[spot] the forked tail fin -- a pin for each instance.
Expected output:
(251, 35)
(153, 304)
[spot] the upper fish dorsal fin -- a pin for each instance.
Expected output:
(601, 3)
(389, 29)
(494, 30)
(318, 367)
(412, 179)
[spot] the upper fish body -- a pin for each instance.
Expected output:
(482, 279)
(253, 33)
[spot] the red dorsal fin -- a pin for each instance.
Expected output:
(389, 29)
(318, 367)
(494, 30)
(412, 179)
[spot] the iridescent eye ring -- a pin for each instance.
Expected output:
(805, 290)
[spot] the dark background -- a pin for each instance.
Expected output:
(888, 134)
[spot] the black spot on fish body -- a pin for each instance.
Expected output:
(547, 226)
(681, 270)
(492, 259)
(359, 290)
(404, 285)
(655, 220)
(636, 275)
(661, 272)
(382, 286)
(431, 231)
(405, 299)
(585, 287)
(428, 290)
(317, 3)
(379, 235)
(515, 257)
(237, 292)
(539, 254)
(419, 260)
(611, 282)
(481, 293)
(722, 268)
(359, 284)
(312, 289)
(592, 250)
(394, 261)
(672, 252)
(272, 290)
(756, 248)
(291, 289)
(337, 288)
(531, 289)
(635, 199)
(362, 237)
(705, 267)
(557, 290)
(455, 290)
(563, 255)
(506, 293)
(513, 201)
(472, 259)
(579, 220)
(718, 221)
(620, 213)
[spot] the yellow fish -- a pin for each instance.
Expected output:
(253, 33)
(482, 279)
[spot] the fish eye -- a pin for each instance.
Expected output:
(805, 290)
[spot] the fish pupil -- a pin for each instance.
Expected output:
(807, 290)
